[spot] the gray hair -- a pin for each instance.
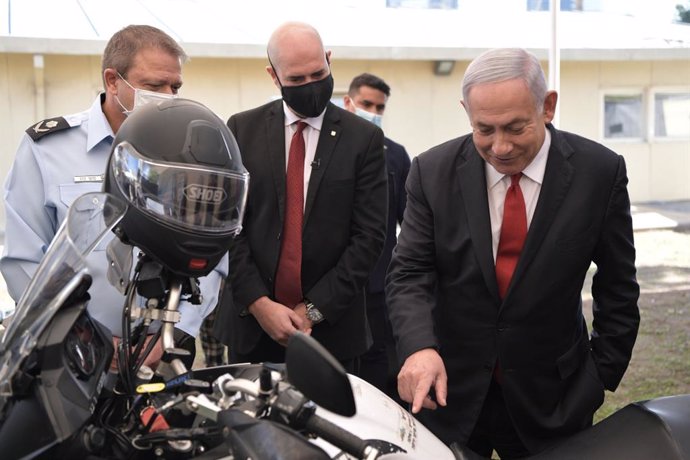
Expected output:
(504, 64)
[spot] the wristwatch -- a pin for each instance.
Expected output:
(313, 313)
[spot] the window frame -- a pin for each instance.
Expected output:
(651, 112)
(644, 113)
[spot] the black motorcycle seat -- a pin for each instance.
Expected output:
(654, 429)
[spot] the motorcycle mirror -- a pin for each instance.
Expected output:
(318, 375)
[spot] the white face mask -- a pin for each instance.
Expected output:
(143, 97)
(375, 118)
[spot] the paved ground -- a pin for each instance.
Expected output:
(660, 215)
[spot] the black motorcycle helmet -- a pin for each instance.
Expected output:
(179, 168)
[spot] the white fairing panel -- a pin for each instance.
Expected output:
(380, 418)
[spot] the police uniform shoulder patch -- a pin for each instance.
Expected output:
(47, 126)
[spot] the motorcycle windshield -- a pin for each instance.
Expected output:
(60, 272)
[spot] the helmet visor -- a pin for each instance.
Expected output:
(197, 198)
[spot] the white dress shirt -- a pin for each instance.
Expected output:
(530, 184)
(311, 139)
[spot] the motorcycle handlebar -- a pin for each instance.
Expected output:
(339, 437)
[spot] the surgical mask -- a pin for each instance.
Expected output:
(375, 118)
(309, 100)
(143, 97)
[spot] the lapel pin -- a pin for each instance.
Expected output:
(332, 133)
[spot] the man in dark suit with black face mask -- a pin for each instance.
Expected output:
(315, 220)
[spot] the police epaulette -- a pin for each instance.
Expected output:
(47, 126)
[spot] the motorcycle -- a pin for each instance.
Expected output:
(56, 383)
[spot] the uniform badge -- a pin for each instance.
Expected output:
(45, 127)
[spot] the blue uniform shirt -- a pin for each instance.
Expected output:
(45, 178)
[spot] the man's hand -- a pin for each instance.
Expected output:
(279, 322)
(301, 310)
(422, 370)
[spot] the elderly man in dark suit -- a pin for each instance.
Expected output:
(484, 289)
(310, 238)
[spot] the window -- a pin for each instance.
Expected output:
(545, 5)
(425, 4)
(671, 115)
(623, 116)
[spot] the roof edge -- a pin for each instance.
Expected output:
(81, 47)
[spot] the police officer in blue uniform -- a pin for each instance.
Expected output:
(59, 159)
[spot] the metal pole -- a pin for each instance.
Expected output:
(555, 57)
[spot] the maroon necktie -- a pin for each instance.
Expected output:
(288, 285)
(513, 233)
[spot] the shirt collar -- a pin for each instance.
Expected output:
(314, 122)
(537, 167)
(535, 170)
(98, 128)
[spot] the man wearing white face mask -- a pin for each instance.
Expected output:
(143, 96)
(61, 158)
(367, 97)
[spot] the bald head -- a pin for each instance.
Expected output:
(300, 68)
(296, 55)
(291, 36)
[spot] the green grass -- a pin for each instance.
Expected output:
(660, 365)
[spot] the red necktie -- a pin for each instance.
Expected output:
(288, 285)
(513, 233)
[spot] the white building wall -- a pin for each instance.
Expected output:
(424, 109)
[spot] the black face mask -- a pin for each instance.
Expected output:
(310, 99)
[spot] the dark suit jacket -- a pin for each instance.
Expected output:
(442, 290)
(343, 232)
(397, 166)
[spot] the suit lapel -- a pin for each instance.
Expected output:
(472, 183)
(275, 138)
(557, 179)
(331, 130)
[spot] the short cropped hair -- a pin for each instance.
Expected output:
(367, 79)
(122, 47)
